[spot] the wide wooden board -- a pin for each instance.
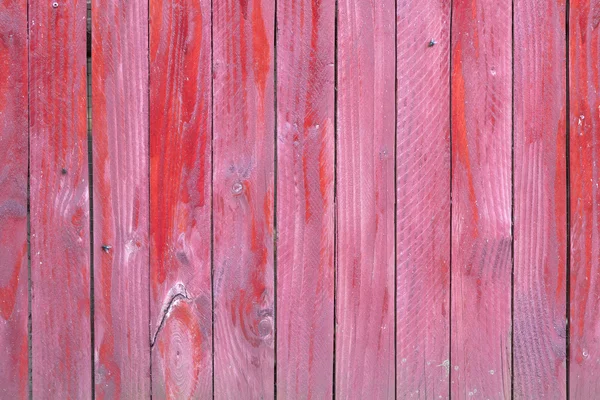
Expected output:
(180, 198)
(305, 179)
(120, 198)
(243, 285)
(540, 226)
(14, 382)
(480, 355)
(60, 226)
(584, 83)
(423, 199)
(364, 355)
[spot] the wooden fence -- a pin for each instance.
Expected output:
(300, 199)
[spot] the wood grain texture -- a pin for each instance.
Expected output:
(305, 207)
(423, 199)
(180, 198)
(120, 190)
(364, 356)
(243, 198)
(584, 83)
(481, 199)
(60, 232)
(540, 226)
(13, 199)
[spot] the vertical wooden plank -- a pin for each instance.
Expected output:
(423, 199)
(180, 198)
(305, 208)
(243, 198)
(481, 199)
(365, 200)
(13, 199)
(60, 237)
(539, 200)
(584, 83)
(120, 170)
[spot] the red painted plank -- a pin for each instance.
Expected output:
(60, 234)
(481, 199)
(423, 199)
(365, 200)
(120, 168)
(540, 234)
(180, 199)
(584, 83)
(13, 199)
(243, 198)
(305, 219)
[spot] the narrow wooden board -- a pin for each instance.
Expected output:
(180, 198)
(540, 226)
(305, 204)
(60, 231)
(120, 190)
(14, 382)
(243, 198)
(481, 199)
(584, 83)
(364, 355)
(423, 199)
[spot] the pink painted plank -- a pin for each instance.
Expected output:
(423, 199)
(60, 232)
(243, 198)
(540, 234)
(365, 200)
(305, 207)
(14, 382)
(584, 83)
(481, 199)
(180, 198)
(120, 168)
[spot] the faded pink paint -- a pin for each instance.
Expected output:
(481, 199)
(365, 201)
(305, 219)
(540, 225)
(243, 190)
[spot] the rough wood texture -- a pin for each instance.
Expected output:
(305, 158)
(120, 157)
(13, 199)
(584, 122)
(243, 198)
(180, 198)
(423, 199)
(540, 235)
(365, 200)
(481, 199)
(60, 232)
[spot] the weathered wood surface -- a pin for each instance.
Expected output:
(305, 208)
(584, 83)
(423, 199)
(540, 226)
(243, 190)
(60, 229)
(364, 356)
(13, 199)
(120, 198)
(481, 199)
(180, 198)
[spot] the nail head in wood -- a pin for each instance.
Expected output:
(431, 43)
(237, 188)
(63, 171)
(106, 248)
(55, 5)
